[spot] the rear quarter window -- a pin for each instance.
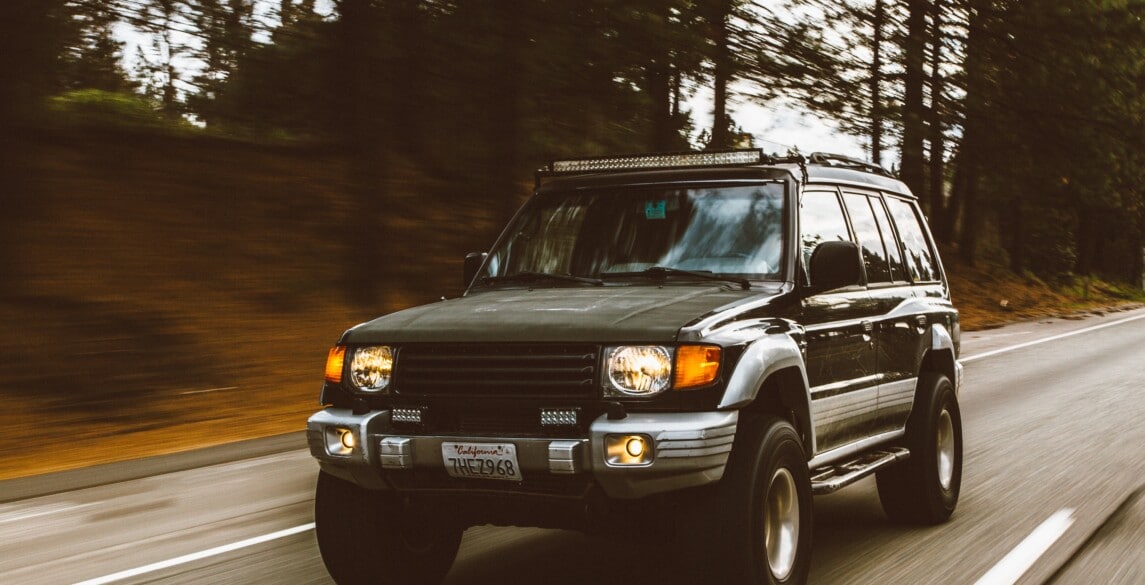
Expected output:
(917, 252)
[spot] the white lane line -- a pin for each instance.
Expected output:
(17, 515)
(197, 556)
(1048, 339)
(1014, 565)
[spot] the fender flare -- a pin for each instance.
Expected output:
(763, 358)
(942, 341)
(940, 338)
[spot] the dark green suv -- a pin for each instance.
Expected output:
(716, 336)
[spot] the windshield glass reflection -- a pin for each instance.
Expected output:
(723, 230)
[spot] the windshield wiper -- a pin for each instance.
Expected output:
(663, 271)
(530, 275)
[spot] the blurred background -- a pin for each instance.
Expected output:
(198, 196)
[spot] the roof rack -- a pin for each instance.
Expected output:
(662, 161)
(847, 162)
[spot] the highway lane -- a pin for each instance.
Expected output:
(1050, 427)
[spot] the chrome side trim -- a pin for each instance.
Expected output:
(838, 408)
(897, 393)
(850, 450)
(827, 390)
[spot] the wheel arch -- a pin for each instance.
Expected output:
(771, 378)
(940, 354)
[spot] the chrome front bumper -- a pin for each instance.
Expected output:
(690, 449)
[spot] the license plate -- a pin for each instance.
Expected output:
(481, 460)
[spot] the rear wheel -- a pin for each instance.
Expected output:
(924, 489)
(369, 537)
(763, 519)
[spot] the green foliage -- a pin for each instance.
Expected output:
(95, 108)
(1061, 93)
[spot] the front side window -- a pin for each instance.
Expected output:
(735, 230)
(821, 220)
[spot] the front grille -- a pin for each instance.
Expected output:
(497, 371)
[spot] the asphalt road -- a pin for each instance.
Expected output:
(1051, 494)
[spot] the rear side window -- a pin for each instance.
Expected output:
(916, 249)
(870, 240)
(821, 220)
(894, 254)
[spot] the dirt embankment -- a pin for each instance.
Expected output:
(172, 294)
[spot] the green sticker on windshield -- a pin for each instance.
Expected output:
(656, 209)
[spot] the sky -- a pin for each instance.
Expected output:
(778, 127)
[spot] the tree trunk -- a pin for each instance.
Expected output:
(721, 122)
(878, 21)
(409, 69)
(937, 167)
(1087, 242)
(914, 110)
(658, 79)
(1016, 237)
(968, 165)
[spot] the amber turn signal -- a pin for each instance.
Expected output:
(334, 362)
(696, 365)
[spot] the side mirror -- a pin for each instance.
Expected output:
(835, 265)
(473, 261)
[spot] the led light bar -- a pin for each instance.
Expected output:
(406, 415)
(557, 417)
(721, 158)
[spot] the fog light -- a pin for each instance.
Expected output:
(628, 449)
(634, 447)
(340, 441)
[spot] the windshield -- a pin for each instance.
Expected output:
(735, 230)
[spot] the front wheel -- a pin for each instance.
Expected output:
(924, 488)
(369, 537)
(763, 528)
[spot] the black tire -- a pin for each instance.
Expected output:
(924, 489)
(762, 533)
(365, 537)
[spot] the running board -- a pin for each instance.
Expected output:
(835, 477)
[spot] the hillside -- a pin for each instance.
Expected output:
(172, 294)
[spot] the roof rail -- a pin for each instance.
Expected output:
(839, 160)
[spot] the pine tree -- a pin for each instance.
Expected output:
(95, 59)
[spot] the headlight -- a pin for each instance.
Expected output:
(639, 370)
(372, 368)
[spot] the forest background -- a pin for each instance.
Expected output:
(189, 222)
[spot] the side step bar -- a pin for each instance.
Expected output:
(829, 479)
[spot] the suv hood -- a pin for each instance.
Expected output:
(622, 314)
